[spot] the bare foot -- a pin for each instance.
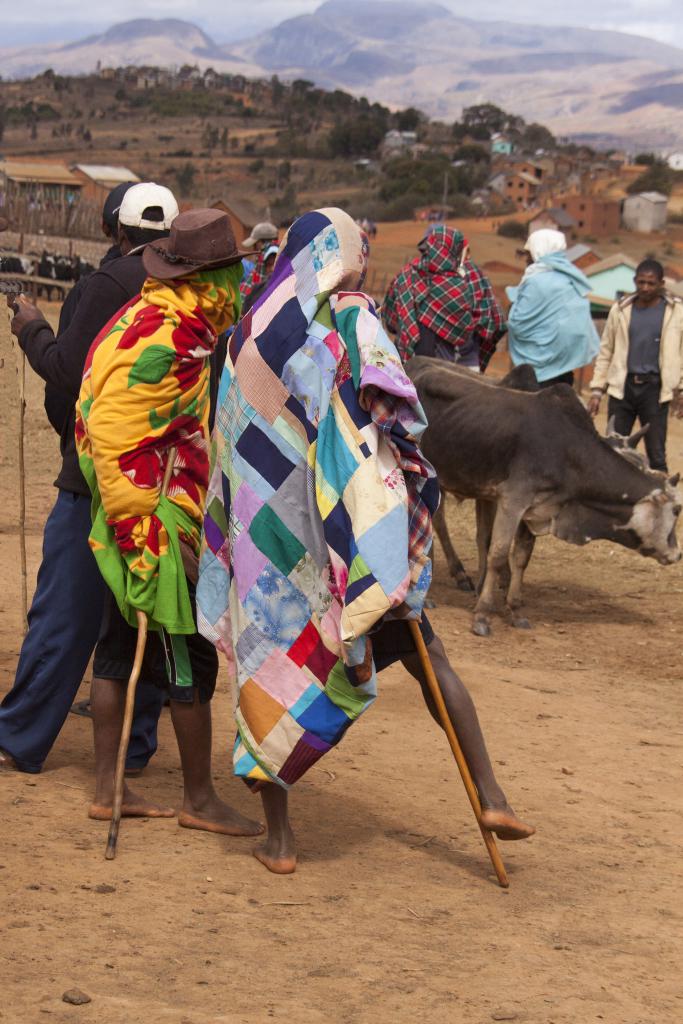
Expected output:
(278, 853)
(134, 806)
(7, 761)
(217, 816)
(506, 824)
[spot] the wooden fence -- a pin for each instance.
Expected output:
(52, 216)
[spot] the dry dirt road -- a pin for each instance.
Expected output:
(393, 916)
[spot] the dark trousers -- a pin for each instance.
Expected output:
(641, 401)
(64, 623)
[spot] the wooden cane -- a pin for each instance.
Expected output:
(22, 492)
(463, 767)
(21, 371)
(119, 777)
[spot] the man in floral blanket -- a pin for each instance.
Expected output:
(145, 400)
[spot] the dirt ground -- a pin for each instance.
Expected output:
(393, 915)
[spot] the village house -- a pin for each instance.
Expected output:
(593, 215)
(610, 279)
(398, 143)
(189, 77)
(555, 219)
(97, 180)
(535, 170)
(501, 145)
(244, 216)
(518, 187)
(645, 212)
(42, 184)
(582, 256)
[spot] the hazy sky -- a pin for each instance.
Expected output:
(37, 21)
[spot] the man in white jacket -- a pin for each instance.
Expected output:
(640, 363)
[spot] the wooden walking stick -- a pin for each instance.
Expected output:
(11, 289)
(119, 777)
(463, 767)
(22, 491)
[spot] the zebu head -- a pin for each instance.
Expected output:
(653, 522)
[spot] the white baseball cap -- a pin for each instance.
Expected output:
(139, 198)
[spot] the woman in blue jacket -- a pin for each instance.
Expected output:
(550, 325)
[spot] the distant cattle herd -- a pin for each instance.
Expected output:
(53, 266)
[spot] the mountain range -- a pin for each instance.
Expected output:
(583, 83)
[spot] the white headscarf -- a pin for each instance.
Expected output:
(544, 243)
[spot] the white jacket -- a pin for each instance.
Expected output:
(611, 365)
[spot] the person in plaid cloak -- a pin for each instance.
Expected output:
(318, 526)
(442, 305)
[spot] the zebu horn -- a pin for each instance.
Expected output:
(638, 436)
(673, 480)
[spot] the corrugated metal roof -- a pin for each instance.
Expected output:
(42, 173)
(529, 178)
(577, 251)
(609, 263)
(104, 174)
(560, 217)
(653, 197)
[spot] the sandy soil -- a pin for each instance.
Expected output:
(393, 915)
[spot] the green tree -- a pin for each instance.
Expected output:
(409, 120)
(537, 136)
(209, 137)
(657, 178)
(185, 177)
(356, 136)
(472, 154)
(484, 119)
(513, 229)
(647, 159)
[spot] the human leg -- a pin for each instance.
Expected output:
(278, 851)
(497, 815)
(113, 661)
(64, 622)
(655, 414)
(202, 807)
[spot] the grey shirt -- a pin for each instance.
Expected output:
(645, 335)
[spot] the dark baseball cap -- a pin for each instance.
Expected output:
(112, 204)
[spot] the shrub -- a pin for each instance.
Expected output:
(513, 229)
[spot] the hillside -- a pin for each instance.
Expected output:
(580, 82)
(590, 85)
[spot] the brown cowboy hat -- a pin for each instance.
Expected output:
(199, 240)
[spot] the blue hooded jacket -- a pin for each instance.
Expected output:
(550, 323)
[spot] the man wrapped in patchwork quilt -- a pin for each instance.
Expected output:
(318, 517)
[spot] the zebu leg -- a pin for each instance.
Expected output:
(505, 526)
(486, 512)
(520, 556)
(455, 566)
